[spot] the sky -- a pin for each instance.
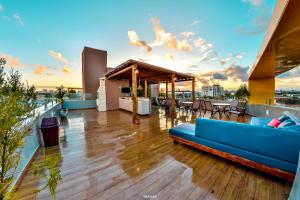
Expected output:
(215, 40)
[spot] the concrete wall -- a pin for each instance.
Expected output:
(113, 92)
(33, 141)
(94, 66)
(79, 104)
(270, 111)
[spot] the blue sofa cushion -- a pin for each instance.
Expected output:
(260, 121)
(292, 117)
(271, 142)
(292, 128)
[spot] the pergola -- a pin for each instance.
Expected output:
(149, 74)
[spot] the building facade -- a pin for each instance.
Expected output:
(212, 90)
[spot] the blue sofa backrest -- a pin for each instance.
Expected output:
(276, 143)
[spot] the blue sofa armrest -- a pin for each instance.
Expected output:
(275, 143)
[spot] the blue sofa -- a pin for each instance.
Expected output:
(272, 150)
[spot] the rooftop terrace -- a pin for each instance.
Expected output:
(106, 156)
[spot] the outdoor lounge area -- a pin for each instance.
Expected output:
(106, 156)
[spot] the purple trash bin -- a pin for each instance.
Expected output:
(50, 132)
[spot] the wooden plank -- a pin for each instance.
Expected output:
(107, 157)
(173, 95)
(166, 90)
(146, 89)
(255, 165)
(134, 94)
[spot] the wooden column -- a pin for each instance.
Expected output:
(193, 90)
(146, 89)
(134, 94)
(173, 95)
(166, 90)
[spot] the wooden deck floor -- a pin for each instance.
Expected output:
(105, 156)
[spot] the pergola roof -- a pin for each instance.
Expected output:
(153, 74)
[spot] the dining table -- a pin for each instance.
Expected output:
(221, 107)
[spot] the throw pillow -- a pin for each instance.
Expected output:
(286, 123)
(274, 123)
(283, 118)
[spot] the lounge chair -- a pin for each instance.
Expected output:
(271, 150)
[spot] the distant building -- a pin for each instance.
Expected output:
(212, 90)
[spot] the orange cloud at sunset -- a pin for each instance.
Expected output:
(40, 69)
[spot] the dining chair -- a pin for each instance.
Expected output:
(240, 110)
(233, 106)
(212, 109)
(195, 106)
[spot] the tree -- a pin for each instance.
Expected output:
(242, 93)
(17, 103)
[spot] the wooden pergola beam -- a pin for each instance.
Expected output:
(146, 89)
(173, 95)
(121, 72)
(166, 90)
(193, 90)
(134, 94)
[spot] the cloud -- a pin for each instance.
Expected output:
(232, 57)
(225, 60)
(40, 69)
(293, 73)
(219, 76)
(261, 18)
(163, 37)
(237, 72)
(58, 56)
(184, 45)
(134, 40)
(202, 44)
(1, 8)
(194, 23)
(209, 56)
(187, 34)
(193, 67)
(254, 2)
(13, 62)
(169, 57)
(233, 73)
(18, 19)
(49, 74)
(203, 81)
(67, 70)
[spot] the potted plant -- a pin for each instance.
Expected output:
(60, 94)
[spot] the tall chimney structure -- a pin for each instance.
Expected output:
(94, 66)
